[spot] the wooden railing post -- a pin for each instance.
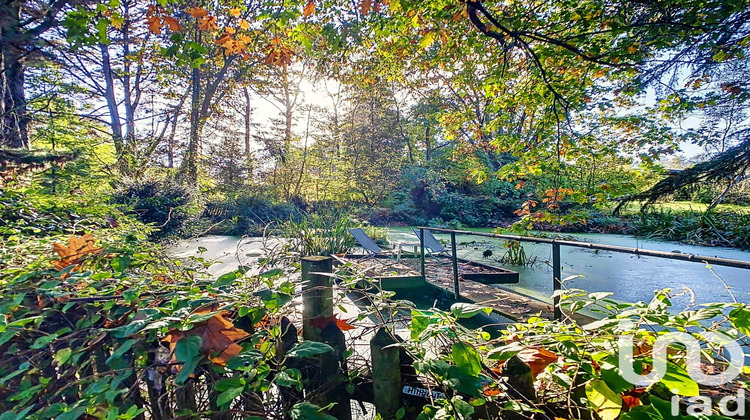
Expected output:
(421, 250)
(317, 294)
(456, 292)
(556, 281)
(386, 374)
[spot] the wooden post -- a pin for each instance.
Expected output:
(421, 249)
(455, 266)
(386, 374)
(317, 294)
(334, 373)
(556, 284)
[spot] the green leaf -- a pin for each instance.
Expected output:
(120, 264)
(307, 411)
(272, 273)
(466, 358)
(62, 356)
(468, 310)
(226, 279)
(187, 351)
(227, 396)
(309, 348)
(72, 414)
(117, 354)
(603, 400)
(463, 409)
(679, 382)
(740, 319)
(288, 378)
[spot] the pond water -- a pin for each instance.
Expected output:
(631, 278)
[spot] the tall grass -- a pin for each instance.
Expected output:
(317, 234)
(714, 228)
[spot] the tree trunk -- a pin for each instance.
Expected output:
(248, 152)
(15, 118)
(190, 165)
(15, 126)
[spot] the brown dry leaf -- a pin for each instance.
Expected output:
(207, 23)
(154, 24)
(365, 7)
(197, 12)
(309, 9)
(172, 23)
(223, 39)
(218, 336)
(78, 247)
(537, 359)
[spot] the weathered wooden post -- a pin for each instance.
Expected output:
(334, 372)
(386, 374)
(317, 294)
(556, 281)
(455, 266)
(421, 250)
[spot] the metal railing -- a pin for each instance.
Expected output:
(556, 263)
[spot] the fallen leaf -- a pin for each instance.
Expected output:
(218, 336)
(537, 359)
(78, 247)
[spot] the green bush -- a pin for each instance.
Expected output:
(161, 203)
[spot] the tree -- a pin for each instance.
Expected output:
(21, 25)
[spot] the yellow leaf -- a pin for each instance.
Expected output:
(229, 30)
(243, 24)
(197, 12)
(117, 22)
(309, 9)
(632, 49)
(427, 40)
(235, 12)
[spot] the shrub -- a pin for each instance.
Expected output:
(162, 203)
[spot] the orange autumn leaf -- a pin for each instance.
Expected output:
(323, 322)
(243, 24)
(309, 9)
(537, 359)
(365, 7)
(218, 336)
(207, 23)
(229, 30)
(197, 12)
(223, 39)
(235, 12)
(78, 247)
(172, 23)
(154, 24)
